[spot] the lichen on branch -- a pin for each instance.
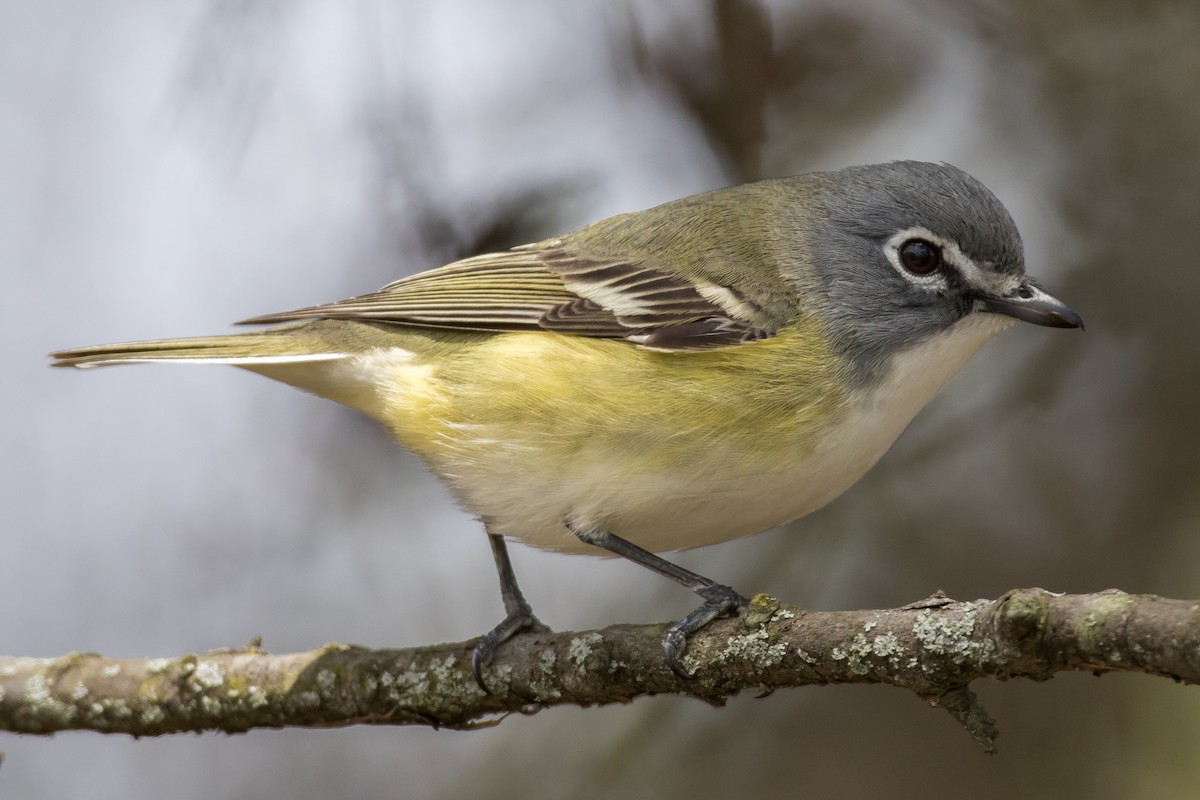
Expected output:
(935, 648)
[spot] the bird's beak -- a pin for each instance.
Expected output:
(1032, 303)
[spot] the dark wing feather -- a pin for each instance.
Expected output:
(544, 287)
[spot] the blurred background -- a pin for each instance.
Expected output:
(170, 167)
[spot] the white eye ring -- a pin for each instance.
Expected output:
(947, 254)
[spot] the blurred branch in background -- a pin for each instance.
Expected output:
(411, 164)
(774, 93)
(934, 648)
(722, 84)
(228, 71)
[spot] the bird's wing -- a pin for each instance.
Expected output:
(547, 287)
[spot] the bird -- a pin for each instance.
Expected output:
(666, 379)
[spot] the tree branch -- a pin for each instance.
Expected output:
(934, 648)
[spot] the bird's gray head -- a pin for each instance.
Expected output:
(905, 251)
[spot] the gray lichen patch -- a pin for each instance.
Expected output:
(499, 678)
(760, 646)
(867, 650)
(755, 647)
(886, 645)
(305, 700)
(44, 705)
(109, 713)
(151, 715)
(438, 684)
(856, 655)
(543, 679)
(256, 697)
(949, 632)
(326, 680)
(207, 675)
(585, 653)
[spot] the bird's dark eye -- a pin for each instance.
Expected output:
(920, 257)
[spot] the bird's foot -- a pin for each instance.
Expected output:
(518, 620)
(719, 601)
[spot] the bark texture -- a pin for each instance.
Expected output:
(934, 648)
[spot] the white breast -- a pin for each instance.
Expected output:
(733, 493)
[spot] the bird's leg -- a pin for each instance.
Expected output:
(519, 613)
(719, 600)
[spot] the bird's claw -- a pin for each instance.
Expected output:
(518, 621)
(719, 601)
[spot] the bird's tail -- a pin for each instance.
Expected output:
(308, 355)
(275, 346)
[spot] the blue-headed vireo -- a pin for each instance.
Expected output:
(670, 378)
